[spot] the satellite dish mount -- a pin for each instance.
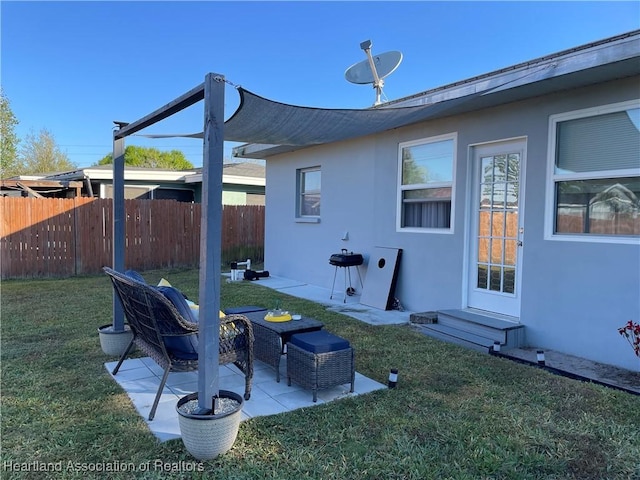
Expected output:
(374, 69)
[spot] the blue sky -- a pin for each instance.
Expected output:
(74, 67)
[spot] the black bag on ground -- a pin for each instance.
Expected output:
(253, 275)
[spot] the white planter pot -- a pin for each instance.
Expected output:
(114, 343)
(207, 436)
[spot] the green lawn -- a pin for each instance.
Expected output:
(456, 413)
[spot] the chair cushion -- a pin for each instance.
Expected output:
(244, 309)
(177, 298)
(320, 341)
(135, 275)
(185, 347)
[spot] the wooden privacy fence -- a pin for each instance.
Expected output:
(57, 237)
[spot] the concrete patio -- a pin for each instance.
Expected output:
(351, 307)
(140, 378)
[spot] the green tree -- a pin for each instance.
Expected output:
(40, 154)
(8, 139)
(151, 158)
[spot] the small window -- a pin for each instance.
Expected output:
(309, 188)
(426, 183)
(596, 173)
(181, 195)
(130, 192)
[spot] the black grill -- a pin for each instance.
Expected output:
(345, 259)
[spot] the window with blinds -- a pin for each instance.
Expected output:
(426, 183)
(596, 176)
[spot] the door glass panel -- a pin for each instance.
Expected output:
(512, 224)
(482, 276)
(483, 249)
(510, 252)
(498, 223)
(509, 280)
(496, 251)
(499, 196)
(483, 223)
(499, 168)
(486, 174)
(494, 281)
(511, 193)
(513, 168)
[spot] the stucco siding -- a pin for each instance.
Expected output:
(301, 250)
(574, 294)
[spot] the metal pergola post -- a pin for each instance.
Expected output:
(210, 241)
(119, 222)
(212, 91)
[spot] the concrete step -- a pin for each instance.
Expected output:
(496, 327)
(476, 328)
(454, 336)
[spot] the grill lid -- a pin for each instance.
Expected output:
(345, 259)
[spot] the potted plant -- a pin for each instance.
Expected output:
(114, 341)
(116, 337)
(209, 434)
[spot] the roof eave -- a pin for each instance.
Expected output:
(230, 180)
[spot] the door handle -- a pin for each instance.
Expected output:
(521, 231)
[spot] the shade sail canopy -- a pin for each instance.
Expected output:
(265, 124)
(263, 121)
(259, 120)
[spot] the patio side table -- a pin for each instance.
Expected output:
(270, 338)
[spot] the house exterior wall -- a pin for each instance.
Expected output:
(575, 294)
(301, 250)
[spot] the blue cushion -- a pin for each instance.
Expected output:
(135, 275)
(320, 341)
(179, 301)
(245, 309)
(185, 347)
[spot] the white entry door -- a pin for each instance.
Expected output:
(497, 235)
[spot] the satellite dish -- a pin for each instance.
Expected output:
(385, 64)
(374, 69)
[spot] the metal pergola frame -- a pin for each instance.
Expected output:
(212, 92)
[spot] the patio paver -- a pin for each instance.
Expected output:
(140, 377)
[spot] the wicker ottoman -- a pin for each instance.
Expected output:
(318, 360)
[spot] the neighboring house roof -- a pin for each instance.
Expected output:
(38, 187)
(105, 172)
(236, 173)
(244, 176)
(233, 173)
(596, 62)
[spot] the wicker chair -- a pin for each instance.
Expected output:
(157, 327)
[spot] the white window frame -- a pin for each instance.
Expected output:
(401, 188)
(300, 218)
(552, 177)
